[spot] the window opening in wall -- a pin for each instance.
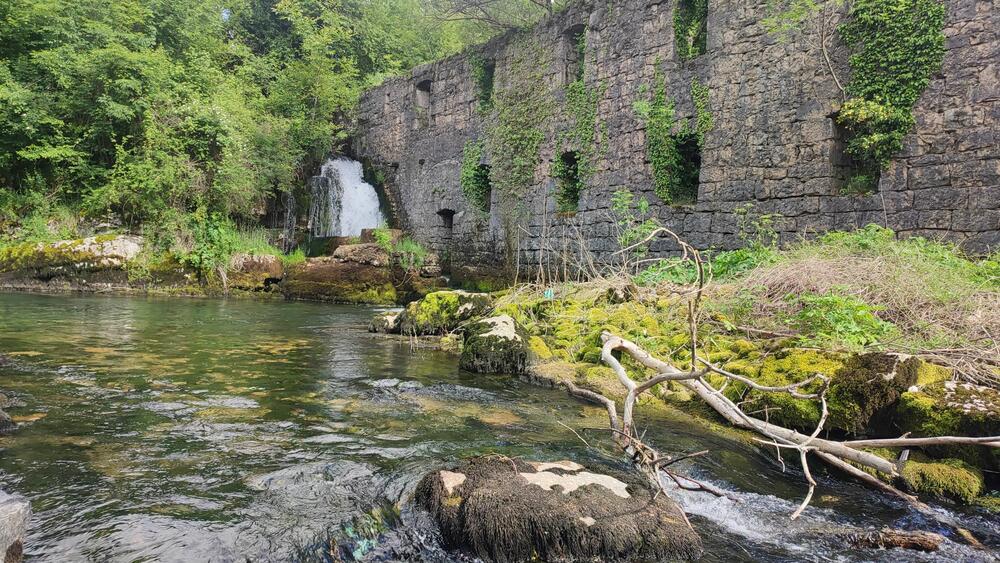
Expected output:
(566, 170)
(684, 189)
(574, 52)
(850, 176)
(447, 219)
(690, 28)
(422, 102)
(475, 177)
(483, 72)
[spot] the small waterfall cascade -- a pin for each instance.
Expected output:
(341, 202)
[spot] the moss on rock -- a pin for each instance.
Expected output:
(539, 349)
(783, 368)
(864, 388)
(495, 345)
(442, 311)
(945, 478)
(950, 408)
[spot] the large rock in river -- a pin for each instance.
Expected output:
(441, 312)
(15, 511)
(503, 509)
(495, 345)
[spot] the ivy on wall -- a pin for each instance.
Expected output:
(702, 113)
(897, 45)
(475, 177)
(690, 28)
(513, 130)
(674, 152)
(482, 74)
(581, 105)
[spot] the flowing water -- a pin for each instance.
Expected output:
(212, 430)
(341, 202)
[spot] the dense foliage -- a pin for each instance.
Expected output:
(673, 148)
(897, 45)
(172, 113)
(690, 28)
(475, 178)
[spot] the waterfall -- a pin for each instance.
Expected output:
(342, 203)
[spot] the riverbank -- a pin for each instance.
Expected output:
(363, 272)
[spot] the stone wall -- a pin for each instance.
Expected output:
(773, 144)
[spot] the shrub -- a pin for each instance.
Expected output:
(834, 318)
(411, 254)
(383, 238)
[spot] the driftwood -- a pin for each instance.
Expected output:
(888, 538)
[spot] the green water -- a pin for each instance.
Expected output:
(212, 430)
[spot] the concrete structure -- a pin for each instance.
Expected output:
(774, 143)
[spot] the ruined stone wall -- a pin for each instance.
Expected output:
(773, 144)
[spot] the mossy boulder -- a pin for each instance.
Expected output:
(250, 272)
(331, 279)
(944, 478)
(502, 509)
(950, 408)
(371, 254)
(865, 389)
(105, 252)
(784, 367)
(441, 312)
(495, 345)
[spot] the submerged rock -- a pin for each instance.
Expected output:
(503, 509)
(385, 323)
(495, 345)
(7, 425)
(442, 312)
(15, 511)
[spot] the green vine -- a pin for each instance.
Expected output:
(690, 28)
(674, 157)
(581, 105)
(475, 177)
(482, 75)
(897, 45)
(513, 130)
(703, 115)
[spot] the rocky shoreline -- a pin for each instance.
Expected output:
(364, 272)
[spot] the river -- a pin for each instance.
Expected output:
(228, 430)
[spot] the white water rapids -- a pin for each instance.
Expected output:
(342, 203)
